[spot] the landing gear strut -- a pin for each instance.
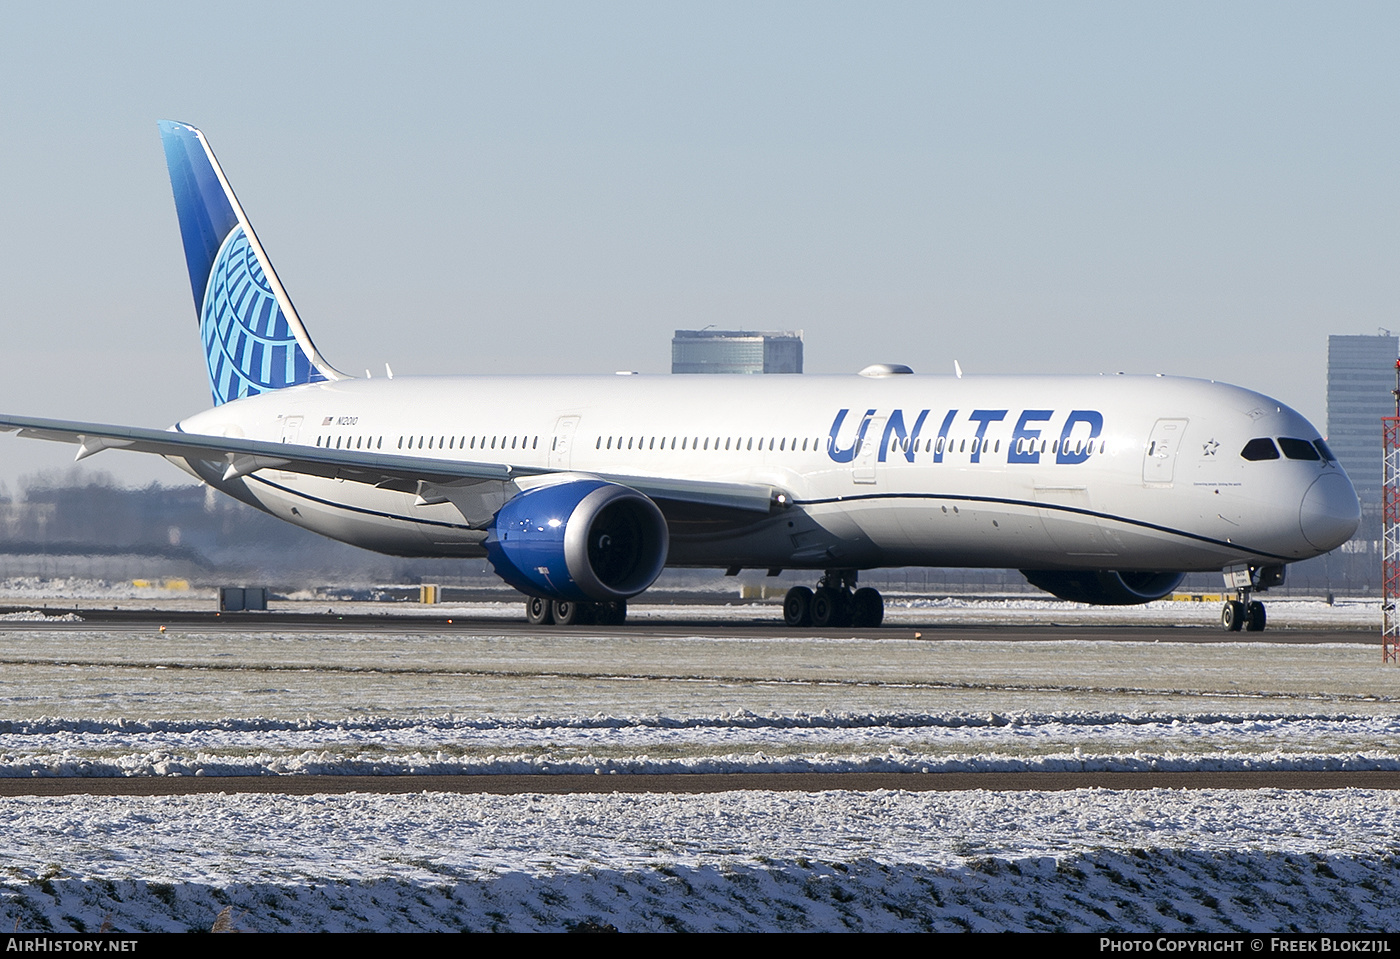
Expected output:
(835, 602)
(559, 612)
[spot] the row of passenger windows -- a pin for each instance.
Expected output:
(432, 442)
(1263, 448)
(1024, 445)
(352, 442)
(781, 444)
(703, 443)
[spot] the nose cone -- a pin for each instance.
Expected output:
(1330, 512)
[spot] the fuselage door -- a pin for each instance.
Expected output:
(863, 467)
(291, 433)
(560, 446)
(1159, 459)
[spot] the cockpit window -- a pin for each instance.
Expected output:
(1325, 450)
(1298, 449)
(1262, 448)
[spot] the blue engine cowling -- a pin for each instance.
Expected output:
(581, 541)
(1104, 587)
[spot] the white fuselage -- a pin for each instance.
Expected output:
(1034, 472)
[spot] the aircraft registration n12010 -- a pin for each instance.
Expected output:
(581, 489)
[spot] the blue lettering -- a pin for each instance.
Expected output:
(908, 442)
(1095, 420)
(943, 436)
(1026, 452)
(1025, 446)
(983, 419)
(848, 454)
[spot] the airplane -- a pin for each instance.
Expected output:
(580, 490)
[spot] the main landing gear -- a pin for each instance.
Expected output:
(835, 602)
(560, 612)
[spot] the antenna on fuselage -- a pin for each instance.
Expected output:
(957, 368)
(388, 372)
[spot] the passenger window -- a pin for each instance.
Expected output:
(1298, 449)
(1262, 448)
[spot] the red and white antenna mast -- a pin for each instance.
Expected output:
(1390, 535)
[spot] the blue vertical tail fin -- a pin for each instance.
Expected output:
(253, 339)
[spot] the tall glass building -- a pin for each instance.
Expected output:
(736, 351)
(1360, 381)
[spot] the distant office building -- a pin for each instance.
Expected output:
(736, 351)
(1360, 378)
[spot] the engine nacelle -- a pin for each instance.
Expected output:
(581, 541)
(1104, 587)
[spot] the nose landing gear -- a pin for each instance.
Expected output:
(1243, 612)
(835, 602)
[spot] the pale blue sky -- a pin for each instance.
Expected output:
(1205, 189)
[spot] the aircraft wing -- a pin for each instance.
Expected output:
(434, 480)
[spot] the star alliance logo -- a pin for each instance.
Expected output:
(1209, 448)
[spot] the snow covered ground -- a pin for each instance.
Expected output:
(81, 701)
(729, 743)
(901, 610)
(1088, 859)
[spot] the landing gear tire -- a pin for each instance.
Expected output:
(1254, 617)
(1232, 616)
(568, 613)
(867, 608)
(539, 612)
(826, 607)
(797, 606)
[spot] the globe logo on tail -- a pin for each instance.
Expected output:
(248, 342)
